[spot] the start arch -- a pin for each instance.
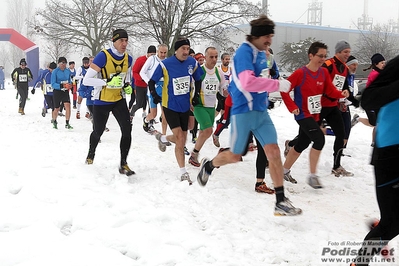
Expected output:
(30, 48)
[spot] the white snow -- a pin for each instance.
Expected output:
(56, 210)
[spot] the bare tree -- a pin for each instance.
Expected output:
(165, 20)
(378, 40)
(56, 48)
(19, 12)
(81, 23)
(295, 55)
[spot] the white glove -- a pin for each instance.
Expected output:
(347, 102)
(284, 85)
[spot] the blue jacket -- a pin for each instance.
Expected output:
(60, 76)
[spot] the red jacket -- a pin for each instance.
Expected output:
(339, 76)
(308, 88)
(138, 81)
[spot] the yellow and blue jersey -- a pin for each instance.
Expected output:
(111, 65)
(178, 76)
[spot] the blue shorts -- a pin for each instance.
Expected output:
(259, 123)
(158, 89)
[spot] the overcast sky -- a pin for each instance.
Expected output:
(337, 13)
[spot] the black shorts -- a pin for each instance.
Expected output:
(176, 119)
(59, 97)
(309, 130)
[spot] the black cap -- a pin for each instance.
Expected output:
(151, 49)
(53, 65)
(62, 60)
(22, 62)
(119, 33)
(181, 42)
(376, 58)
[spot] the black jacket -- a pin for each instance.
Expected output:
(384, 89)
(21, 76)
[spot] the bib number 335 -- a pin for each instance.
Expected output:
(181, 85)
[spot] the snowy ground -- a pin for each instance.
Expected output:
(55, 210)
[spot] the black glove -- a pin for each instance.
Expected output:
(272, 72)
(195, 101)
(33, 91)
(156, 98)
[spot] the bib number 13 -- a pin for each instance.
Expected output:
(314, 104)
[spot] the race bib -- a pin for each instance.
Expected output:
(211, 86)
(339, 81)
(181, 85)
(314, 104)
(23, 78)
(49, 88)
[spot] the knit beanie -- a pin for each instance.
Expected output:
(23, 61)
(376, 58)
(180, 43)
(119, 33)
(52, 65)
(351, 60)
(151, 49)
(341, 45)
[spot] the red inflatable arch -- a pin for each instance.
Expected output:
(30, 48)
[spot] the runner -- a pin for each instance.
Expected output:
(309, 84)
(382, 95)
(80, 73)
(204, 111)
(249, 112)
(114, 65)
(45, 80)
(330, 112)
(20, 77)
(225, 72)
(140, 86)
(146, 72)
(178, 71)
(61, 83)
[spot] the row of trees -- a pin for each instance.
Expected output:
(89, 23)
(379, 40)
(70, 26)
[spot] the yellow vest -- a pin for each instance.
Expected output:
(112, 67)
